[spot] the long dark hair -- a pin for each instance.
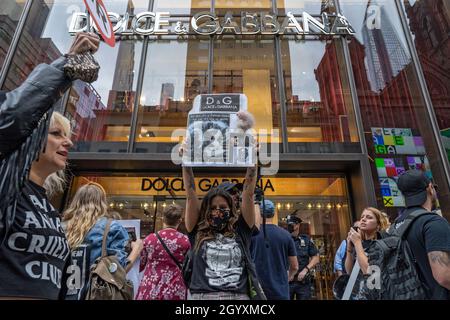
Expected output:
(205, 232)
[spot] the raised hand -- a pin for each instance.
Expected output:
(84, 42)
(246, 120)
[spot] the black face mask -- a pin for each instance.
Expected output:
(290, 228)
(219, 222)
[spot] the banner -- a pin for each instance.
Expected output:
(77, 283)
(213, 137)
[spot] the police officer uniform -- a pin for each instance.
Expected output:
(306, 249)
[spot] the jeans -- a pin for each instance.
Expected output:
(300, 290)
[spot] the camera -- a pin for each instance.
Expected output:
(259, 194)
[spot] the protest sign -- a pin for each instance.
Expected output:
(134, 232)
(214, 136)
(101, 19)
(78, 271)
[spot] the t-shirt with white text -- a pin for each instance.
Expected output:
(35, 251)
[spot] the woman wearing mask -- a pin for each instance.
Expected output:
(163, 279)
(33, 248)
(221, 267)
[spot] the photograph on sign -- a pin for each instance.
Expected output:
(213, 135)
(101, 19)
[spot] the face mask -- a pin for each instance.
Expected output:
(220, 221)
(290, 228)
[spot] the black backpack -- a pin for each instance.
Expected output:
(399, 275)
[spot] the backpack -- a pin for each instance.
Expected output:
(107, 279)
(399, 276)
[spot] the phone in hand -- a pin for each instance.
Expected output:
(355, 228)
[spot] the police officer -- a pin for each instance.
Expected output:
(307, 256)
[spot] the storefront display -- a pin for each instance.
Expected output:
(348, 94)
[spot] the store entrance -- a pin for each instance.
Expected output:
(321, 201)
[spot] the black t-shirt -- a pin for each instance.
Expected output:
(428, 233)
(272, 261)
(219, 264)
(35, 251)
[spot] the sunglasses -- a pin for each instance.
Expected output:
(221, 210)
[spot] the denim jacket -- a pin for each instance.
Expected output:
(115, 242)
(339, 258)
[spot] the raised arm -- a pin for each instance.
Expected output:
(247, 205)
(192, 201)
(23, 108)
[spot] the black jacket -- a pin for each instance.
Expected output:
(24, 118)
(22, 108)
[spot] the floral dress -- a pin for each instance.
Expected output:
(162, 279)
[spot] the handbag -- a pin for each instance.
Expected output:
(81, 66)
(107, 279)
(181, 267)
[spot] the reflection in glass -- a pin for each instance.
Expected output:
(100, 112)
(429, 22)
(10, 12)
(248, 66)
(319, 107)
(184, 7)
(175, 73)
(313, 7)
(396, 122)
(237, 6)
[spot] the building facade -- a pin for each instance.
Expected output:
(352, 109)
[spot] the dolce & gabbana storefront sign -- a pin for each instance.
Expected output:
(207, 23)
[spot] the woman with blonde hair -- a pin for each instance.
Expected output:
(87, 216)
(371, 226)
(35, 244)
(34, 145)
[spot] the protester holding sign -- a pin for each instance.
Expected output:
(222, 268)
(33, 248)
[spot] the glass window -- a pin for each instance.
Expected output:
(10, 12)
(396, 123)
(248, 66)
(101, 112)
(237, 6)
(313, 7)
(429, 22)
(175, 73)
(321, 202)
(181, 7)
(320, 117)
